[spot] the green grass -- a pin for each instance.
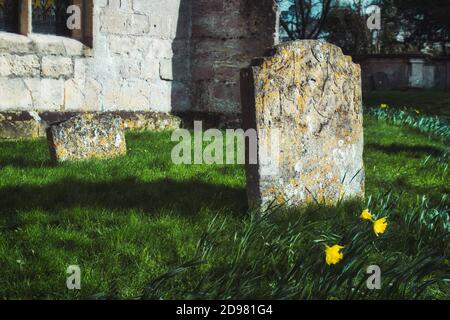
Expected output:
(431, 125)
(401, 160)
(123, 220)
(428, 102)
(127, 221)
(280, 255)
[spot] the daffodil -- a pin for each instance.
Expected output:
(384, 106)
(333, 254)
(379, 226)
(366, 215)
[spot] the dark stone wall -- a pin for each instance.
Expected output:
(226, 36)
(395, 72)
(385, 74)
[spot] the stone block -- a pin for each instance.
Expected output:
(130, 95)
(87, 136)
(19, 129)
(14, 43)
(48, 44)
(46, 94)
(24, 66)
(56, 67)
(174, 69)
(82, 95)
(5, 65)
(160, 96)
(116, 22)
(15, 95)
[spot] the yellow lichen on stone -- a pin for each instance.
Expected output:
(310, 92)
(87, 136)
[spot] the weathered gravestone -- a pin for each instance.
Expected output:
(310, 93)
(87, 136)
(381, 81)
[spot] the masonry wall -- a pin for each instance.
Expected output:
(147, 55)
(398, 73)
(226, 36)
(385, 74)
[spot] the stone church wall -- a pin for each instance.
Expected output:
(147, 55)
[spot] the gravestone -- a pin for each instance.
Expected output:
(381, 81)
(309, 94)
(87, 136)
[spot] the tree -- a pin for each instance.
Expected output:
(305, 19)
(346, 27)
(389, 40)
(425, 23)
(406, 25)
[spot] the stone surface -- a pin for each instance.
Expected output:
(56, 67)
(24, 66)
(311, 93)
(29, 124)
(158, 55)
(87, 136)
(19, 129)
(226, 36)
(404, 70)
(15, 94)
(153, 121)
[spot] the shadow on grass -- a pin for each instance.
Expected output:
(397, 148)
(401, 185)
(183, 198)
(23, 163)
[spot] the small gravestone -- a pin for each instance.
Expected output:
(308, 93)
(87, 136)
(381, 81)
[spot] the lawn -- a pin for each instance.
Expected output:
(129, 220)
(428, 102)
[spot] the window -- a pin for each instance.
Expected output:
(9, 15)
(50, 16)
(46, 16)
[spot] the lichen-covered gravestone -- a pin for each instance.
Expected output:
(87, 136)
(310, 93)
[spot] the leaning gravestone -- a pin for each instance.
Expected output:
(87, 136)
(309, 94)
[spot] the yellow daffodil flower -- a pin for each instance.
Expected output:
(379, 226)
(366, 215)
(333, 254)
(384, 106)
